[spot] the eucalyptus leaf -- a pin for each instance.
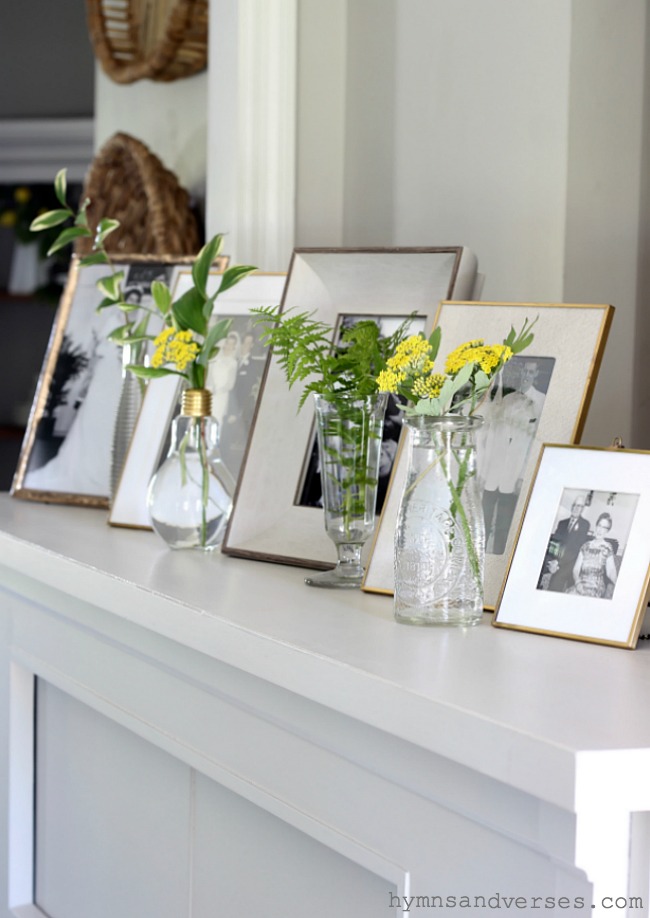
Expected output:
(463, 376)
(434, 340)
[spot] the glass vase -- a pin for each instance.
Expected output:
(190, 496)
(440, 534)
(349, 447)
(128, 408)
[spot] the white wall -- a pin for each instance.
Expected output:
(515, 129)
(170, 118)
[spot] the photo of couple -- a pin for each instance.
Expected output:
(587, 545)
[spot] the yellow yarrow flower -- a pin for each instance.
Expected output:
(429, 386)
(488, 357)
(8, 218)
(389, 380)
(412, 356)
(175, 347)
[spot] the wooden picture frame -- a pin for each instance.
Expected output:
(581, 564)
(268, 522)
(566, 354)
(66, 453)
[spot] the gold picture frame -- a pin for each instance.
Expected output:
(567, 351)
(65, 456)
(580, 568)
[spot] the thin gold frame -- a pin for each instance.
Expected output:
(379, 573)
(636, 618)
(59, 327)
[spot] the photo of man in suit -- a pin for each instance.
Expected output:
(566, 541)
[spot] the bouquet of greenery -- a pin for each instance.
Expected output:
(447, 468)
(342, 375)
(468, 371)
(188, 341)
(189, 338)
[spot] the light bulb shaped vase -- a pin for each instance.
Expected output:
(349, 449)
(440, 534)
(190, 496)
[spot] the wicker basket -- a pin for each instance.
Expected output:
(126, 182)
(139, 39)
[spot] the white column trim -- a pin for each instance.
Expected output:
(252, 129)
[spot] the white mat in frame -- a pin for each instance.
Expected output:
(267, 521)
(129, 507)
(568, 345)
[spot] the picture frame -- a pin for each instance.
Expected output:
(581, 564)
(234, 397)
(66, 452)
(268, 523)
(565, 355)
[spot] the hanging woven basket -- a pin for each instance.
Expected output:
(149, 39)
(127, 182)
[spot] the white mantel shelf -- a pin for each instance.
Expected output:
(538, 713)
(548, 740)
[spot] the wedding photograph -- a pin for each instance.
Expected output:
(588, 542)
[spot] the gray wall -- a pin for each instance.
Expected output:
(46, 60)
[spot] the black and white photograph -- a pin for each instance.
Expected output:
(68, 442)
(587, 545)
(581, 564)
(268, 521)
(541, 397)
(66, 455)
(512, 413)
(309, 490)
(234, 378)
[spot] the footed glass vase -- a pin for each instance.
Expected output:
(440, 534)
(349, 447)
(190, 496)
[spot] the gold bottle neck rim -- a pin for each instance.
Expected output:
(196, 403)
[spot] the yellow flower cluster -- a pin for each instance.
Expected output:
(429, 386)
(389, 380)
(175, 347)
(412, 356)
(487, 356)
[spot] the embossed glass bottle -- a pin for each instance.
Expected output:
(440, 535)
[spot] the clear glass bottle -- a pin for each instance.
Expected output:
(349, 448)
(190, 496)
(440, 534)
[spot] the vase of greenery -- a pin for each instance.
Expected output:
(189, 503)
(440, 534)
(341, 376)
